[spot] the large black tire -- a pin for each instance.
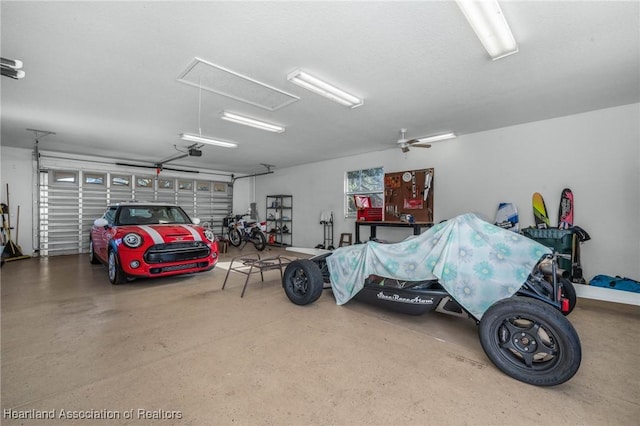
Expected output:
(116, 274)
(530, 341)
(235, 238)
(568, 291)
(259, 240)
(302, 282)
(92, 255)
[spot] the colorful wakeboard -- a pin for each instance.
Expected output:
(565, 210)
(507, 217)
(540, 211)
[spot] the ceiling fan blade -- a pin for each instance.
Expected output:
(416, 143)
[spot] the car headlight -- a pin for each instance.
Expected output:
(132, 240)
(209, 234)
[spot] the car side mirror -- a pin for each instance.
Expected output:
(101, 223)
(195, 221)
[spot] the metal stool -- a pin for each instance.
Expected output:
(345, 239)
(253, 264)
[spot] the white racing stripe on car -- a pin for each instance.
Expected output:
(155, 236)
(196, 235)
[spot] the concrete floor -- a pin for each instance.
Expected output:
(184, 350)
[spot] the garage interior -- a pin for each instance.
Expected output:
(110, 88)
(71, 341)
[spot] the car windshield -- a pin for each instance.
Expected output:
(150, 215)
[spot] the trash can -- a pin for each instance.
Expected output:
(560, 240)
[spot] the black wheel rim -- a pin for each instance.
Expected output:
(528, 343)
(299, 282)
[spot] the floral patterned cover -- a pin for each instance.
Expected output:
(476, 262)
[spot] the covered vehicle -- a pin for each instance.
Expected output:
(150, 240)
(506, 282)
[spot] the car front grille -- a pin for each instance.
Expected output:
(184, 266)
(176, 252)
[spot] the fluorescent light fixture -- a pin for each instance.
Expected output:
(15, 74)
(435, 138)
(11, 68)
(325, 89)
(235, 118)
(488, 21)
(190, 137)
(11, 63)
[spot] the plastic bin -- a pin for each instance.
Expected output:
(560, 240)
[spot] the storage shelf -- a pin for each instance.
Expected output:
(279, 216)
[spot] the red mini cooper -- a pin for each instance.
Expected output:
(150, 240)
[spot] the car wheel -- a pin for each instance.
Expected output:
(92, 255)
(530, 341)
(302, 282)
(259, 240)
(234, 237)
(116, 274)
(568, 291)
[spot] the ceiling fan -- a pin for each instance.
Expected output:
(405, 143)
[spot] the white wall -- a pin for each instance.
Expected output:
(243, 195)
(16, 170)
(596, 154)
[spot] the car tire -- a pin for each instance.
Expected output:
(235, 238)
(116, 274)
(259, 240)
(530, 341)
(302, 282)
(568, 291)
(92, 255)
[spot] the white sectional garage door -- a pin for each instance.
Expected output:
(70, 200)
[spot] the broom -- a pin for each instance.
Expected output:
(11, 250)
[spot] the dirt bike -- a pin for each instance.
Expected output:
(242, 230)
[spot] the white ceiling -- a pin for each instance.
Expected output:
(103, 75)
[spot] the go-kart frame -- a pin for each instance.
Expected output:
(527, 336)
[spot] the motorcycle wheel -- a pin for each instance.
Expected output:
(302, 281)
(530, 341)
(259, 240)
(235, 238)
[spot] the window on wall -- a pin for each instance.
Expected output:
(120, 180)
(165, 183)
(366, 182)
(144, 182)
(219, 187)
(94, 178)
(65, 177)
(185, 185)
